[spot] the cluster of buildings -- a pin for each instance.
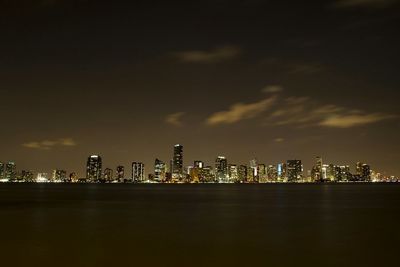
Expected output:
(291, 171)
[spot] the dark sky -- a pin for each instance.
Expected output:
(268, 79)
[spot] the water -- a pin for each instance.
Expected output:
(199, 225)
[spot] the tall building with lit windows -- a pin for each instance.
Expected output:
(120, 174)
(316, 172)
(27, 176)
(1, 171)
(59, 176)
(242, 173)
(177, 162)
(10, 171)
(272, 173)
(221, 169)
(138, 175)
(253, 171)
(262, 173)
(108, 175)
(294, 170)
(94, 168)
(160, 170)
(233, 173)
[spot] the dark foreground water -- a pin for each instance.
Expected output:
(199, 225)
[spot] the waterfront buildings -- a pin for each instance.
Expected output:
(94, 168)
(138, 174)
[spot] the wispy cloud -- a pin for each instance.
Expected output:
(240, 111)
(299, 112)
(211, 56)
(175, 119)
(50, 144)
(351, 120)
(305, 112)
(364, 3)
(279, 140)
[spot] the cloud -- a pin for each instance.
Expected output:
(272, 89)
(279, 140)
(364, 3)
(299, 112)
(175, 119)
(352, 120)
(304, 112)
(212, 56)
(49, 144)
(240, 111)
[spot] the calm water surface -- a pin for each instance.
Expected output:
(199, 225)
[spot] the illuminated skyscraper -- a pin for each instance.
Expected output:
(233, 173)
(221, 169)
(94, 168)
(27, 176)
(160, 170)
(366, 173)
(120, 174)
(207, 175)
(108, 175)
(73, 177)
(253, 172)
(359, 168)
(11, 171)
(262, 173)
(2, 171)
(294, 170)
(242, 173)
(177, 162)
(272, 173)
(42, 177)
(138, 175)
(59, 176)
(316, 172)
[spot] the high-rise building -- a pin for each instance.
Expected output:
(207, 175)
(73, 177)
(94, 168)
(294, 170)
(59, 176)
(138, 175)
(160, 170)
(242, 173)
(359, 168)
(342, 173)
(331, 173)
(253, 171)
(272, 173)
(262, 173)
(221, 169)
(282, 172)
(11, 171)
(366, 173)
(233, 173)
(27, 176)
(108, 175)
(316, 172)
(1, 171)
(120, 174)
(42, 177)
(177, 162)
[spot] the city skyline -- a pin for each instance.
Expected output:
(220, 171)
(245, 79)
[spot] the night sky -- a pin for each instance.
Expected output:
(272, 80)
